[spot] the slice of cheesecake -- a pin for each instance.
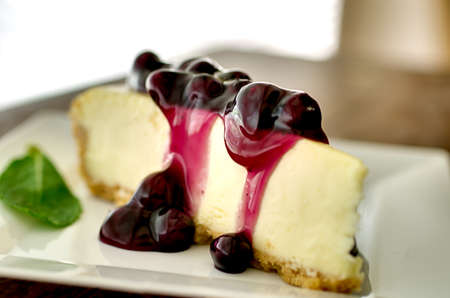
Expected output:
(307, 215)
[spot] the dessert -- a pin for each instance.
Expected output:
(222, 157)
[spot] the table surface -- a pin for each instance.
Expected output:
(360, 100)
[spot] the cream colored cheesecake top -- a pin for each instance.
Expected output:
(308, 214)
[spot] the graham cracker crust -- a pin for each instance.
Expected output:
(300, 277)
(305, 277)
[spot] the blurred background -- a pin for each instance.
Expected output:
(379, 69)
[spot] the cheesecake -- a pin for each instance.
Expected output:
(216, 157)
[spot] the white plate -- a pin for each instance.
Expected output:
(404, 231)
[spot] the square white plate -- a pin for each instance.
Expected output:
(404, 230)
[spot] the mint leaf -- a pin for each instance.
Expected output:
(32, 184)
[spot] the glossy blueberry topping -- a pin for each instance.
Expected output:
(127, 227)
(172, 229)
(175, 88)
(156, 209)
(160, 189)
(231, 253)
(262, 107)
(143, 65)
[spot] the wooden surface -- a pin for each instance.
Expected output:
(359, 100)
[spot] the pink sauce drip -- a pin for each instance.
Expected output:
(259, 157)
(189, 139)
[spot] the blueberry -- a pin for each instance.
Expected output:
(301, 112)
(166, 87)
(202, 65)
(158, 190)
(147, 60)
(172, 229)
(143, 65)
(256, 103)
(201, 89)
(262, 108)
(231, 253)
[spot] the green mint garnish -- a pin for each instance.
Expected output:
(32, 184)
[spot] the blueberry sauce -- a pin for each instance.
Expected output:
(172, 229)
(261, 121)
(134, 225)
